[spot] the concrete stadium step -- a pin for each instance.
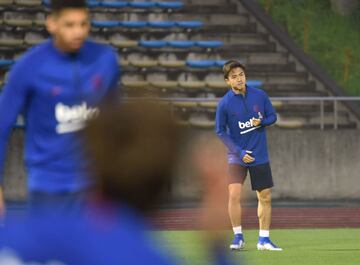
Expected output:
(251, 68)
(294, 93)
(216, 27)
(238, 19)
(280, 77)
(234, 38)
(308, 87)
(210, 9)
(207, 2)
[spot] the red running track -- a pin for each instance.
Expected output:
(187, 219)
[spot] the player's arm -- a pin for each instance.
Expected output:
(221, 126)
(12, 100)
(114, 76)
(270, 113)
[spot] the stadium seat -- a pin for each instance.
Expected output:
(181, 43)
(18, 22)
(105, 24)
(164, 84)
(185, 104)
(9, 42)
(189, 24)
(39, 22)
(208, 104)
(170, 5)
(202, 64)
(254, 83)
(133, 24)
(182, 123)
(217, 84)
(290, 123)
(29, 3)
(201, 122)
(209, 44)
(220, 63)
(172, 63)
(116, 4)
(124, 43)
(143, 5)
(6, 2)
(143, 63)
(92, 4)
(192, 84)
(4, 63)
(33, 39)
(161, 24)
(123, 62)
(135, 84)
(152, 43)
(276, 103)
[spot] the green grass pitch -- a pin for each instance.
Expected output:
(301, 246)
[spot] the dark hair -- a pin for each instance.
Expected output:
(133, 150)
(231, 64)
(58, 5)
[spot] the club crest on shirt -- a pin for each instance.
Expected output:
(55, 91)
(96, 82)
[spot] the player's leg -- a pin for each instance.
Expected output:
(237, 175)
(264, 209)
(261, 181)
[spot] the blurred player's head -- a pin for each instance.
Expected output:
(133, 149)
(234, 75)
(69, 24)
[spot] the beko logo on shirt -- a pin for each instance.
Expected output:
(73, 118)
(248, 124)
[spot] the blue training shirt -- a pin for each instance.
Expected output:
(102, 235)
(57, 92)
(235, 128)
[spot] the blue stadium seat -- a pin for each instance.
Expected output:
(189, 24)
(170, 5)
(181, 43)
(254, 83)
(152, 43)
(133, 24)
(202, 64)
(161, 24)
(92, 3)
(6, 63)
(220, 63)
(117, 4)
(142, 4)
(105, 24)
(209, 44)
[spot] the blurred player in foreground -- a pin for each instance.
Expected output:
(58, 85)
(134, 149)
(241, 118)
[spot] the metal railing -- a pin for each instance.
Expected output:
(320, 100)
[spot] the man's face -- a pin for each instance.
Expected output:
(70, 28)
(236, 79)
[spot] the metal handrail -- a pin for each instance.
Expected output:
(319, 99)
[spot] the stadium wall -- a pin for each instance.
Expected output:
(306, 164)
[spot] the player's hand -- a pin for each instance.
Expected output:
(256, 122)
(248, 158)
